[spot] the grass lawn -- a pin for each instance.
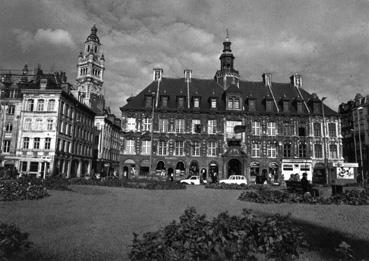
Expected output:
(96, 223)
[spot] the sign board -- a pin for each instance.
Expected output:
(345, 172)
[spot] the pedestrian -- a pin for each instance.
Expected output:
(171, 177)
(305, 185)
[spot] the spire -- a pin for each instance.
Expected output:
(93, 37)
(227, 35)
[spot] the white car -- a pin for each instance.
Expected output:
(234, 179)
(193, 180)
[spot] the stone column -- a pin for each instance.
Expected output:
(79, 169)
(69, 168)
(89, 167)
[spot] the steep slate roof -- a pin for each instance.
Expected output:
(206, 88)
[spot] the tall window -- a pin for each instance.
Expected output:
(196, 148)
(299, 107)
(196, 102)
(11, 109)
(27, 124)
(163, 148)
(164, 101)
(256, 128)
(38, 124)
(318, 151)
(269, 106)
(40, 105)
(332, 129)
(180, 102)
(30, 104)
(212, 126)
(146, 124)
(6, 147)
(195, 126)
(271, 151)
(317, 129)
(163, 125)
(130, 147)
(179, 148)
(255, 150)
(212, 148)
(271, 129)
(285, 106)
(131, 124)
(230, 129)
(36, 143)
(213, 103)
(236, 103)
(9, 127)
(333, 151)
(302, 150)
(51, 105)
(287, 150)
(146, 147)
(288, 129)
(179, 125)
(25, 142)
(252, 105)
(302, 131)
(48, 143)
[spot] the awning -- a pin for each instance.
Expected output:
(129, 161)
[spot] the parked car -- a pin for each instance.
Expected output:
(234, 179)
(193, 180)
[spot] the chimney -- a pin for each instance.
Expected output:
(267, 79)
(157, 74)
(296, 80)
(187, 75)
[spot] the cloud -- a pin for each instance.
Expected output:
(56, 37)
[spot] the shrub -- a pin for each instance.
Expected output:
(135, 183)
(53, 182)
(18, 190)
(225, 186)
(351, 197)
(12, 241)
(224, 238)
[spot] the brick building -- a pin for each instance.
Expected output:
(187, 126)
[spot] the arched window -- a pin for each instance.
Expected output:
(30, 104)
(27, 124)
(40, 105)
(51, 105)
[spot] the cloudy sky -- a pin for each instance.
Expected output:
(325, 41)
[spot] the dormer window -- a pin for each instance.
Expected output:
(269, 105)
(196, 102)
(316, 107)
(180, 102)
(233, 103)
(285, 106)
(299, 107)
(236, 104)
(213, 103)
(252, 105)
(148, 101)
(164, 101)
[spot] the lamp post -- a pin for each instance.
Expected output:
(325, 143)
(360, 143)
(152, 130)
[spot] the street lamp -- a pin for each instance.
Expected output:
(325, 143)
(360, 144)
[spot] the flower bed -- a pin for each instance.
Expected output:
(132, 183)
(350, 197)
(12, 241)
(223, 238)
(17, 190)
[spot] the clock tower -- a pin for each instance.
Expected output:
(90, 73)
(227, 75)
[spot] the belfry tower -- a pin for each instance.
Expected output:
(90, 73)
(227, 75)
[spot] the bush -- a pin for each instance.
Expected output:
(225, 186)
(53, 182)
(18, 190)
(224, 238)
(12, 241)
(350, 197)
(135, 183)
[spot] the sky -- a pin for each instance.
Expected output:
(327, 42)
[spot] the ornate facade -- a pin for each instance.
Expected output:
(225, 126)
